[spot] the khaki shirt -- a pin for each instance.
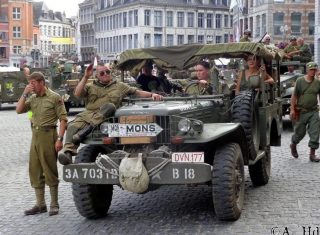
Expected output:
(96, 95)
(46, 109)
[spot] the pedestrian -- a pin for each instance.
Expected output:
(305, 112)
(47, 108)
(102, 96)
(292, 46)
(266, 40)
(246, 36)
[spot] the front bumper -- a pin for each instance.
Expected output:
(172, 173)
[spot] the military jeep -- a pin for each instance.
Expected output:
(12, 84)
(183, 140)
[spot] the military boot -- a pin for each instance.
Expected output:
(313, 157)
(54, 206)
(65, 157)
(78, 137)
(294, 151)
(40, 207)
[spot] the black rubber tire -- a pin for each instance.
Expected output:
(243, 111)
(91, 200)
(260, 172)
(228, 182)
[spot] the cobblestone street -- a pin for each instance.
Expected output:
(289, 202)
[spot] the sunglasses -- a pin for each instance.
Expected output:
(106, 72)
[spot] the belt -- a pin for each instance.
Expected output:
(43, 128)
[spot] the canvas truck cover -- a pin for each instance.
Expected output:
(185, 56)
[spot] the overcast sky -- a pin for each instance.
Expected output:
(70, 7)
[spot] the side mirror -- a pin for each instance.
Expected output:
(254, 81)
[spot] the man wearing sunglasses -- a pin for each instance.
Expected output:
(102, 97)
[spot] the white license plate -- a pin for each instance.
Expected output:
(188, 157)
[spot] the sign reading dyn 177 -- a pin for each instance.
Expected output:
(133, 130)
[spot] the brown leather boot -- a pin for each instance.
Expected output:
(294, 151)
(313, 157)
(36, 210)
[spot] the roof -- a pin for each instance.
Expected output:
(185, 56)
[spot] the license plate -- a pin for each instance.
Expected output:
(187, 157)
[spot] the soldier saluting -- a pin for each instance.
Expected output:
(47, 108)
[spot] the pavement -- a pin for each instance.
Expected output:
(288, 204)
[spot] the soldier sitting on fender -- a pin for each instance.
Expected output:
(102, 96)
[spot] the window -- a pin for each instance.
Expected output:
(200, 20)
(218, 21)
(190, 39)
(3, 36)
(124, 19)
(16, 13)
(226, 36)
(147, 40)
(130, 18)
(180, 19)
(135, 40)
(16, 32)
(157, 40)
(35, 39)
(169, 39)
(190, 19)
(264, 23)
(49, 30)
(258, 27)
(158, 18)
(226, 21)
(130, 41)
(124, 42)
(296, 23)
(146, 17)
(135, 18)
(209, 20)
(3, 52)
(180, 39)
(200, 39)
(278, 23)
(218, 39)
(169, 19)
(311, 20)
(16, 49)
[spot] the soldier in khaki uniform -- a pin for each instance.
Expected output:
(293, 46)
(246, 36)
(47, 108)
(102, 97)
(305, 112)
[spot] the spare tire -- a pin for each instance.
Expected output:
(244, 112)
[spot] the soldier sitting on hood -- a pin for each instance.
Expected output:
(102, 96)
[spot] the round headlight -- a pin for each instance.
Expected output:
(184, 125)
(104, 128)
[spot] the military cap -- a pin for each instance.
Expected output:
(293, 38)
(312, 65)
(36, 76)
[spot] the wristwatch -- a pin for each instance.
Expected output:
(25, 96)
(60, 138)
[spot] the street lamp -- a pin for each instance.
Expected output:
(283, 30)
